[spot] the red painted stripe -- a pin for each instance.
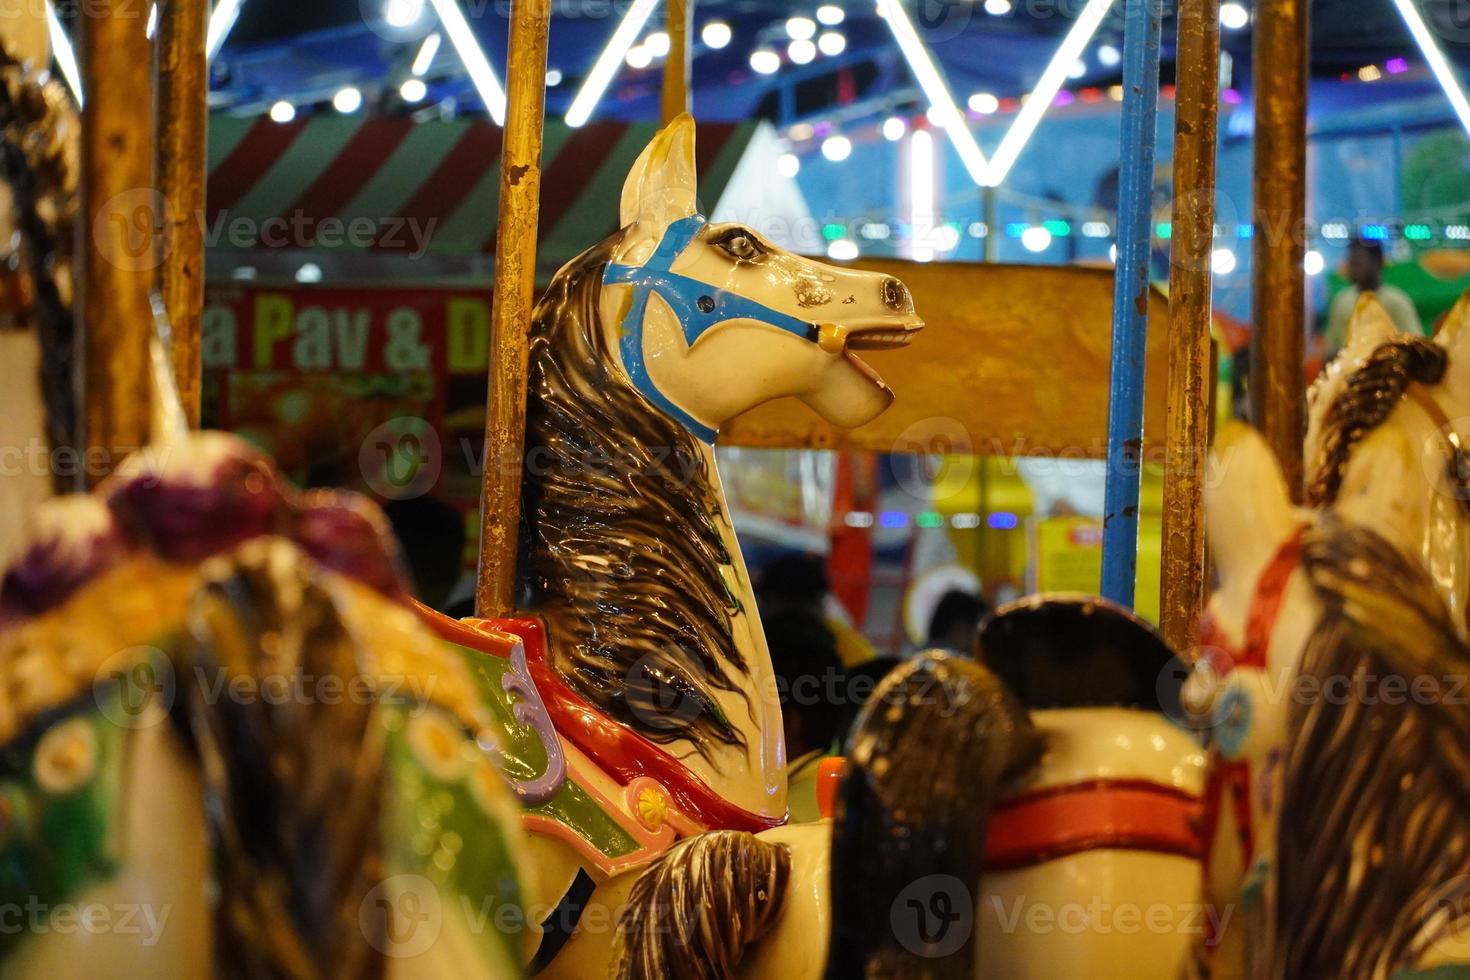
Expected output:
(1132, 815)
(247, 163)
(563, 181)
(443, 190)
(343, 178)
(618, 751)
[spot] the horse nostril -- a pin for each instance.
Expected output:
(895, 296)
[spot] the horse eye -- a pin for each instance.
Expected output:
(741, 246)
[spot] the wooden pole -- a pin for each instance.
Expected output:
(183, 117)
(1182, 576)
(117, 253)
(510, 320)
(679, 19)
(1278, 297)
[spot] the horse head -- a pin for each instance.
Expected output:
(1391, 440)
(1370, 326)
(641, 349)
(713, 319)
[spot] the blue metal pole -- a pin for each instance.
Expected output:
(1141, 29)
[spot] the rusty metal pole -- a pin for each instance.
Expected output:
(510, 322)
(183, 117)
(1187, 419)
(1278, 297)
(678, 22)
(117, 252)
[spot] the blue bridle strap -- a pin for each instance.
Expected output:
(698, 306)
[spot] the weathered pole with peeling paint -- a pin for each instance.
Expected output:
(183, 118)
(510, 321)
(1278, 245)
(117, 256)
(1187, 421)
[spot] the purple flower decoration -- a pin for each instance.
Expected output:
(76, 539)
(195, 498)
(347, 533)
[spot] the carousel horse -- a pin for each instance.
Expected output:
(1331, 686)
(1388, 425)
(231, 748)
(656, 769)
(38, 207)
(653, 785)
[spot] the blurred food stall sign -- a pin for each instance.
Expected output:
(376, 389)
(1068, 554)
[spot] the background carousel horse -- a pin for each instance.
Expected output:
(229, 747)
(1104, 830)
(1331, 686)
(1387, 432)
(38, 205)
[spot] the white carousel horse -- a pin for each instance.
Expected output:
(1328, 687)
(229, 747)
(664, 722)
(1388, 427)
(640, 623)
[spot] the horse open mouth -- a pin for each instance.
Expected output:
(887, 336)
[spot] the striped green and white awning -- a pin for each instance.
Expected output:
(275, 185)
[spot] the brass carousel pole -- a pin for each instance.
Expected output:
(1187, 422)
(515, 283)
(678, 22)
(183, 115)
(1278, 299)
(117, 252)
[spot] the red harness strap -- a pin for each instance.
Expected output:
(1260, 621)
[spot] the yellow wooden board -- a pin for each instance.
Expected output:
(1013, 362)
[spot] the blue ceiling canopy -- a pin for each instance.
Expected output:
(303, 52)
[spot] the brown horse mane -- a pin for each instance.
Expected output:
(1374, 839)
(621, 551)
(1367, 399)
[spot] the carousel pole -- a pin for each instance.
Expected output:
(679, 19)
(117, 252)
(183, 118)
(1187, 422)
(1279, 196)
(1141, 30)
(510, 321)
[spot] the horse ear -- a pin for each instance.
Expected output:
(1454, 332)
(1370, 325)
(660, 187)
(1248, 512)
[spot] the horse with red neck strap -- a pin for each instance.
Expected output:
(1325, 685)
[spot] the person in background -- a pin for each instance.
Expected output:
(431, 536)
(956, 622)
(800, 582)
(1365, 271)
(809, 680)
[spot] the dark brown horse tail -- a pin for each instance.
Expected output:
(292, 785)
(925, 763)
(693, 912)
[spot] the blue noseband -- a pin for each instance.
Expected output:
(698, 306)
